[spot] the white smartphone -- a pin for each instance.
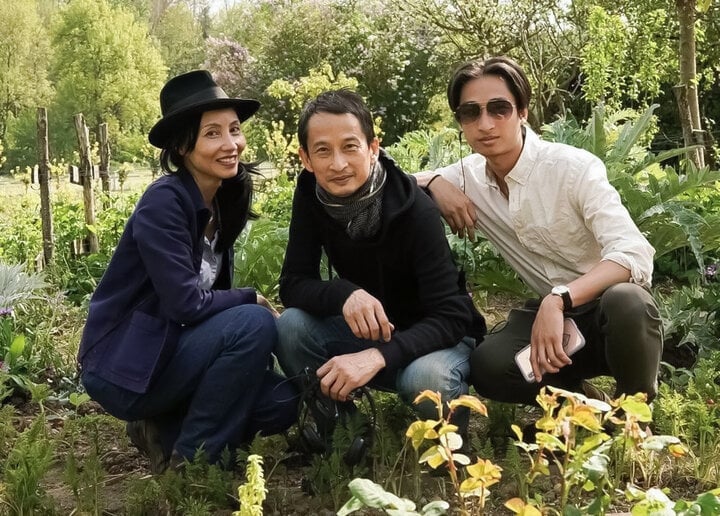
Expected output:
(572, 342)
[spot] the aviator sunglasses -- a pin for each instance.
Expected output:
(499, 109)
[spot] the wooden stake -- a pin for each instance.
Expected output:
(104, 158)
(86, 173)
(44, 180)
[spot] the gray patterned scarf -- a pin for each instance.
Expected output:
(360, 212)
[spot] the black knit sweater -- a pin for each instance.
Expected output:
(407, 266)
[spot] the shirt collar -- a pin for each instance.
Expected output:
(521, 171)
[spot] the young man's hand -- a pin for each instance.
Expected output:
(546, 351)
(456, 207)
(366, 317)
(342, 374)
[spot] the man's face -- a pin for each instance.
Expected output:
(496, 132)
(338, 153)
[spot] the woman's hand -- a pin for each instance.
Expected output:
(264, 302)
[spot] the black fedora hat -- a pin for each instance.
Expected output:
(194, 92)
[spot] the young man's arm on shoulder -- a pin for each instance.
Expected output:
(456, 207)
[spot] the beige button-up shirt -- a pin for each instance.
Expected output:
(561, 217)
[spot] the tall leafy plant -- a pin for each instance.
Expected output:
(15, 286)
(426, 150)
(26, 464)
(259, 256)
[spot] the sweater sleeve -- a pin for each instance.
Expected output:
(447, 311)
(301, 285)
(162, 230)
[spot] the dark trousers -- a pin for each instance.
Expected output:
(623, 334)
(217, 390)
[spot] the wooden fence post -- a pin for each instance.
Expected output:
(104, 158)
(44, 180)
(86, 174)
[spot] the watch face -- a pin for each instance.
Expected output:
(560, 290)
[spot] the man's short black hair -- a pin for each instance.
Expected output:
(503, 67)
(337, 102)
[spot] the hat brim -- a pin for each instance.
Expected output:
(159, 135)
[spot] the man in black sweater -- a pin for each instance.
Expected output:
(391, 312)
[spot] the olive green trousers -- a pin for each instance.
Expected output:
(623, 334)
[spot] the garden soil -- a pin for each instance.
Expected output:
(288, 494)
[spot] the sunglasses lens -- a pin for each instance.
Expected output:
(499, 108)
(466, 113)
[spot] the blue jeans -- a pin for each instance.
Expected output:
(308, 341)
(217, 390)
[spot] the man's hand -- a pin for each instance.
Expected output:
(366, 317)
(264, 302)
(546, 352)
(456, 207)
(342, 374)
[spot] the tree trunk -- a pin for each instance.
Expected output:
(686, 90)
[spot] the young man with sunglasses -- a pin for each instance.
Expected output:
(552, 214)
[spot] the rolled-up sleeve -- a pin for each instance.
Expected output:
(617, 234)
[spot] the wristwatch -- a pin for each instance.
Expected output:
(564, 293)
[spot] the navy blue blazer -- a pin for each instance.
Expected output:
(150, 288)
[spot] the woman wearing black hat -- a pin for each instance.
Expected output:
(168, 345)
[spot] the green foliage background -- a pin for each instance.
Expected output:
(70, 57)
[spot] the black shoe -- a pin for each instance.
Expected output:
(145, 435)
(176, 463)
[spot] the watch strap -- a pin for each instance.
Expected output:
(566, 299)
